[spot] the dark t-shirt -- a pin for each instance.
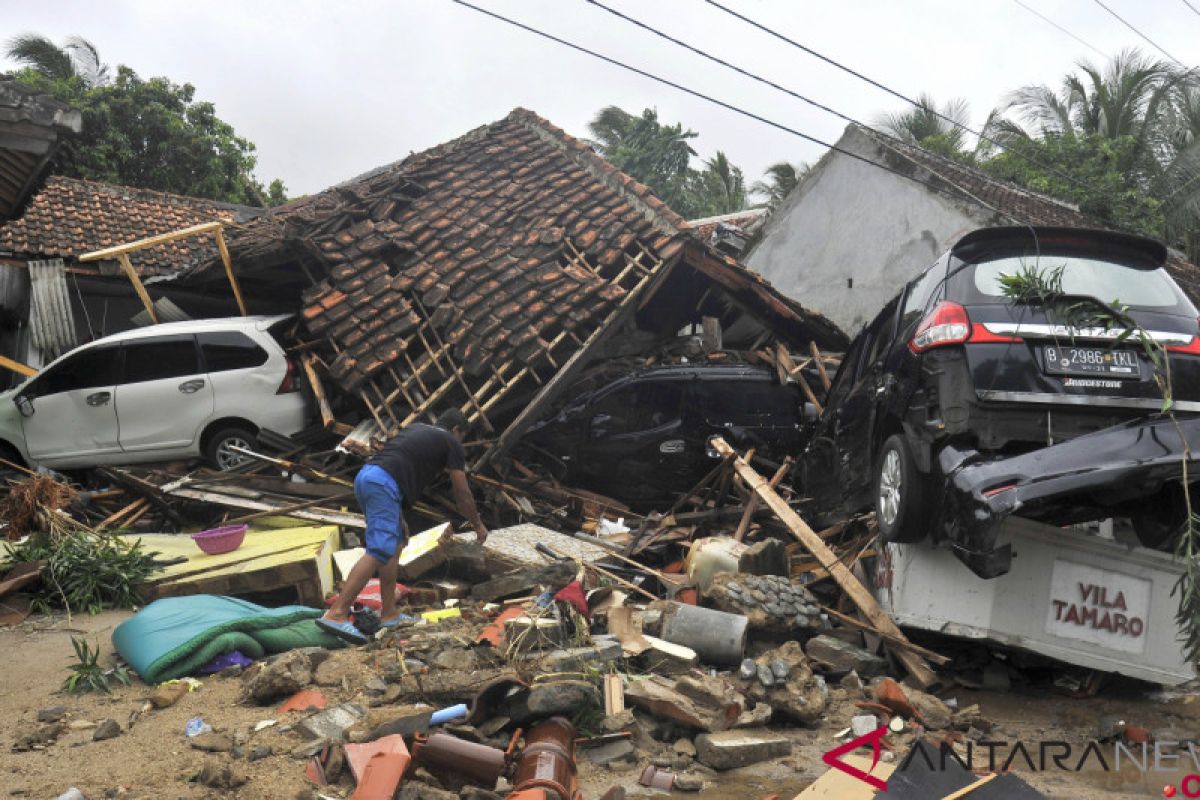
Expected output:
(417, 455)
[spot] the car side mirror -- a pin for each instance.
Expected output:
(810, 413)
(597, 425)
(24, 405)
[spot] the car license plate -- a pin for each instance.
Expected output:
(1069, 360)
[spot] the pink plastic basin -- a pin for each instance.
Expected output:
(220, 540)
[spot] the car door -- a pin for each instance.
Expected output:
(71, 416)
(822, 466)
(853, 435)
(163, 398)
(636, 445)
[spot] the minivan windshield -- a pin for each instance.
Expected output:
(1106, 281)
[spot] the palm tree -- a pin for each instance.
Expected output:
(1153, 105)
(719, 188)
(780, 179)
(642, 147)
(75, 58)
(928, 126)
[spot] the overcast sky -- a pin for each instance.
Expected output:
(328, 90)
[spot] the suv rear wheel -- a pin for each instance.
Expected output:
(901, 493)
(1163, 517)
(218, 452)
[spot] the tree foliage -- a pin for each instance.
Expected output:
(778, 182)
(659, 155)
(150, 133)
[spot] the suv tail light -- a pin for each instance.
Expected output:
(948, 323)
(1192, 348)
(289, 379)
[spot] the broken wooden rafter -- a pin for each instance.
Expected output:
(807, 537)
(816, 354)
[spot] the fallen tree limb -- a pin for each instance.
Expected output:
(807, 537)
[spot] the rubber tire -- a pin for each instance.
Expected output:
(222, 435)
(1158, 529)
(914, 514)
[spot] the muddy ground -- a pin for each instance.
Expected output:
(154, 759)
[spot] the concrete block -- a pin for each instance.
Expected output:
(331, 723)
(739, 748)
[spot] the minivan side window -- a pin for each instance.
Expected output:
(640, 407)
(748, 403)
(844, 379)
(917, 301)
(226, 350)
(88, 369)
(159, 358)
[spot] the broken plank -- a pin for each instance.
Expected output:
(753, 502)
(904, 644)
(314, 382)
(853, 588)
(329, 517)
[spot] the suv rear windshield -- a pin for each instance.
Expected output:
(1107, 281)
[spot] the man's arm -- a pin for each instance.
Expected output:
(466, 503)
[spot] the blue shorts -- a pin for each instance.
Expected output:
(379, 497)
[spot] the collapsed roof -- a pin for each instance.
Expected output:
(494, 267)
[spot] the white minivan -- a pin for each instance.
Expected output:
(159, 393)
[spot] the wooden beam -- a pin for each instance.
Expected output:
(849, 584)
(233, 282)
(150, 241)
(131, 273)
(752, 503)
(314, 381)
(816, 354)
(17, 366)
(903, 644)
(316, 515)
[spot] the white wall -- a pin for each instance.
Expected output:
(850, 220)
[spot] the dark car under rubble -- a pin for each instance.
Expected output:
(959, 405)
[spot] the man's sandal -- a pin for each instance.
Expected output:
(343, 630)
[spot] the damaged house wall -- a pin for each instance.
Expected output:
(851, 234)
(487, 271)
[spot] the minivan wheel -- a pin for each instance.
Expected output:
(901, 493)
(218, 452)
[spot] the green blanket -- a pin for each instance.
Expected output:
(175, 636)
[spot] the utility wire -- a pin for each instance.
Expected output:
(1024, 157)
(1150, 41)
(1195, 10)
(957, 194)
(1049, 21)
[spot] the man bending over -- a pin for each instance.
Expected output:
(391, 480)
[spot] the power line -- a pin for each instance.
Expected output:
(958, 194)
(1195, 10)
(1150, 41)
(1024, 157)
(1049, 21)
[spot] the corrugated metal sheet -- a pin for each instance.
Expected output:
(50, 316)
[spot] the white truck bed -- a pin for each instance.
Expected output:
(1071, 595)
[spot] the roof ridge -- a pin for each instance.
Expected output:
(151, 194)
(901, 148)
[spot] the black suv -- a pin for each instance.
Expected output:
(957, 406)
(642, 439)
